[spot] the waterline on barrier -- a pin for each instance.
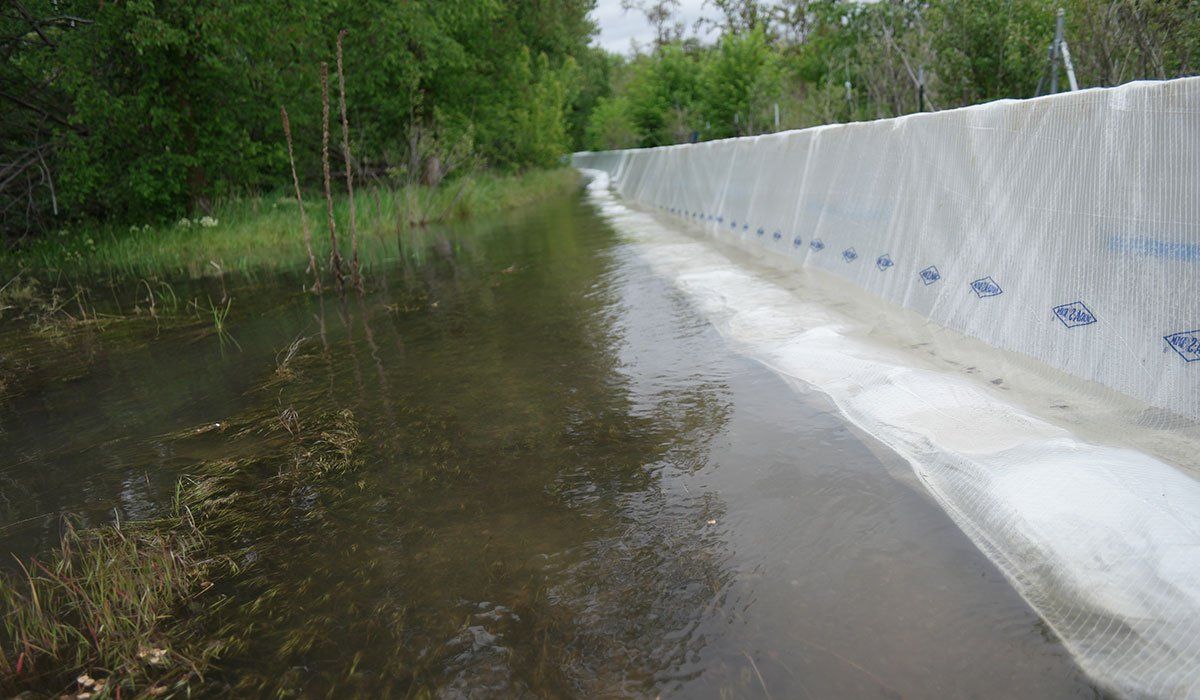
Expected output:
(1103, 541)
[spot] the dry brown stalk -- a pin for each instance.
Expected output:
(312, 259)
(335, 257)
(355, 278)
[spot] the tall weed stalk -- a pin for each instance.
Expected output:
(312, 259)
(355, 277)
(335, 256)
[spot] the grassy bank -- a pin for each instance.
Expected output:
(264, 233)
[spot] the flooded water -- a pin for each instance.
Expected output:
(570, 486)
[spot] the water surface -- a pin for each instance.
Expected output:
(571, 486)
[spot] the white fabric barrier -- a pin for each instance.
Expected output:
(1066, 228)
(1102, 540)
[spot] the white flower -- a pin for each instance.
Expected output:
(145, 227)
(185, 222)
(208, 222)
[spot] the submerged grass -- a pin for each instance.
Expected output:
(98, 611)
(134, 609)
(265, 232)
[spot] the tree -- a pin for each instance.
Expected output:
(1114, 41)
(611, 127)
(739, 16)
(990, 49)
(741, 80)
(660, 14)
(147, 109)
(662, 92)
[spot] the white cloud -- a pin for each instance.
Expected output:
(619, 28)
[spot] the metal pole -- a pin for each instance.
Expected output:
(920, 88)
(1066, 54)
(1054, 53)
(849, 98)
(776, 116)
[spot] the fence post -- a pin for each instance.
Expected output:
(920, 88)
(1056, 49)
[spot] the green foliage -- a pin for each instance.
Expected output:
(741, 82)
(262, 233)
(163, 106)
(167, 96)
(144, 110)
(1120, 40)
(596, 70)
(991, 49)
(538, 128)
(662, 94)
(826, 61)
(611, 126)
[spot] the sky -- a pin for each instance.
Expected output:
(617, 27)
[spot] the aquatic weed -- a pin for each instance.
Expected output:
(102, 605)
(118, 607)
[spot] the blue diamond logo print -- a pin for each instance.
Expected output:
(986, 287)
(849, 255)
(1186, 343)
(930, 275)
(760, 231)
(1074, 314)
(817, 244)
(777, 235)
(796, 241)
(883, 262)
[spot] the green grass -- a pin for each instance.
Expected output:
(139, 608)
(263, 232)
(97, 609)
(125, 606)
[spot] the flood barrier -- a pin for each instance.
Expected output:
(1065, 228)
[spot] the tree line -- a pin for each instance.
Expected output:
(143, 110)
(810, 62)
(136, 111)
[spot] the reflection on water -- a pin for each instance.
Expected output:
(570, 487)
